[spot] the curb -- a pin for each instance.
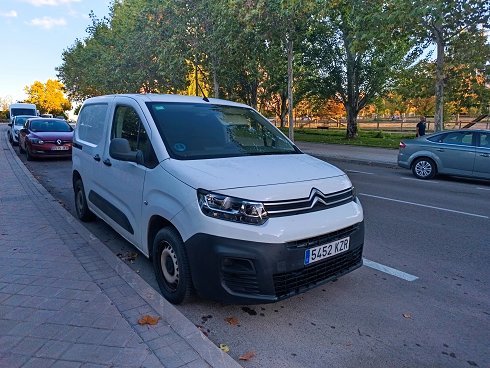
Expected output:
(206, 349)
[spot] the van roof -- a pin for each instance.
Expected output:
(152, 97)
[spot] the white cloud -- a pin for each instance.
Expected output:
(47, 22)
(9, 14)
(50, 2)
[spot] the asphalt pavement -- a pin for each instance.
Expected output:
(68, 301)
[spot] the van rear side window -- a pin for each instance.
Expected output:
(90, 124)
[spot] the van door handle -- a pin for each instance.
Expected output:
(485, 155)
(107, 162)
(440, 150)
(97, 157)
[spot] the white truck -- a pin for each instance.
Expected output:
(22, 109)
(219, 198)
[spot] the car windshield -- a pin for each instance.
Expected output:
(196, 131)
(16, 112)
(19, 121)
(50, 126)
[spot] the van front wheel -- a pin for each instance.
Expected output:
(171, 266)
(81, 206)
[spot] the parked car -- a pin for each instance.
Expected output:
(219, 198)
(462, 152)
(42, 137)
(15, 126)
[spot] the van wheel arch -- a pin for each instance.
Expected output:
(170, 261)
(81, 205)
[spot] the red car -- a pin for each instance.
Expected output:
(43, 137)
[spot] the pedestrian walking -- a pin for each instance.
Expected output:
(421, 127)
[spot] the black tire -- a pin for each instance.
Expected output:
(424, 168)
(11, 140)
(81, 207)
(171, 266)
(21, 150)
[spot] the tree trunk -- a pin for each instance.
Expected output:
(253, 94)
(196, 75)
(351, 121)
(439, 108)
(352, 92)
(283, 111)
(290, 87)
(215, 80)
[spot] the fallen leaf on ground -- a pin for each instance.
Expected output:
(128, 256)
(407, 315)
(232, 321)
(224, 348)
(148, 320)
(247, 356)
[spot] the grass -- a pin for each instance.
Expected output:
(368, 138)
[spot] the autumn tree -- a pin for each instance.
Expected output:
(5, 103)
(353, 53)
(440, 23)
(48, 97)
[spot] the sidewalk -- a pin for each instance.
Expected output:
(67, 301)
(355, 154)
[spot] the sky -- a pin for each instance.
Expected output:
(34, 34)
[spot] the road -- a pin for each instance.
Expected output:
(430, 308)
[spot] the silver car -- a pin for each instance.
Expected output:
(15, 126)
(457, 152)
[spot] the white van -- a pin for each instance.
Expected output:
(21, 109)
(223, 202)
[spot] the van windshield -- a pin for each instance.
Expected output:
(21, 111)
(197, 131)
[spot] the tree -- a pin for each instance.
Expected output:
(5, 103)
(440, 23)
(353, 52)
(48, 97)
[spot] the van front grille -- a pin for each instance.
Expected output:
(317, 201)
(295, 282)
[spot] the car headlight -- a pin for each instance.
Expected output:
(231, 209)
(36, 141)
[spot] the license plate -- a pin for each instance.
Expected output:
(60, 148)
(326, 250)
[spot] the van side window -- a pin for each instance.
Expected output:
(127, 124)
(90, 124)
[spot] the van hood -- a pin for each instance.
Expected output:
(249, 171)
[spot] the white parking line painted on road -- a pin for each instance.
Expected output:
(389, 270)
(360, 172)
(422, 181)
(424, 205)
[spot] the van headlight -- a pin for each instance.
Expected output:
(231, 209)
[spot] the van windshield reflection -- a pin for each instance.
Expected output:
(197, 131)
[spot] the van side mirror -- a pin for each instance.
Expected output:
(120, 150)
(10, 124)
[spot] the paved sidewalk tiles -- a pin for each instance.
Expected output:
(67, 301)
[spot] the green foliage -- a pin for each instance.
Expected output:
(353, 53)
(365, 138)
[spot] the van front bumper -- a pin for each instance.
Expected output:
(245, 272)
